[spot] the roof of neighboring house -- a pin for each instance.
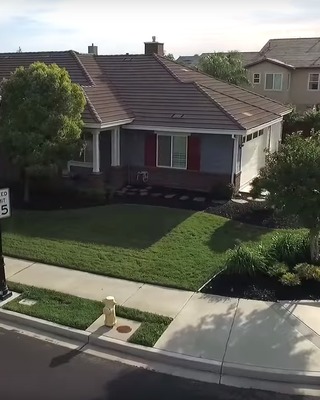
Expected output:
(154, 91)
(298, 52)
(193, 61)
(270, 60)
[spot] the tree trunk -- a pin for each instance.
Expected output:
(314, 246)
(26, 188)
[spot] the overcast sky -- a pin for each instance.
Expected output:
(185, 26)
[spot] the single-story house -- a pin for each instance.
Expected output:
(152, 120)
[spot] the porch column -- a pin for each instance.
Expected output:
(115, 147)
(96, 151)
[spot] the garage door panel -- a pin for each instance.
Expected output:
(253, 158)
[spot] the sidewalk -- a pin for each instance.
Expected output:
(282, 336)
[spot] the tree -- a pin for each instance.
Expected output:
(40, 118)
(291, 178)
(170, 56)
(227, 67)
(307, 122)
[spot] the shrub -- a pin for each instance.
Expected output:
(92, 195)
(290, 248)
(277, 269)
(222, 191)
(245, 260)
(290, 279)
(307, 271)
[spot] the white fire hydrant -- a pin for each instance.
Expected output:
(109, 311)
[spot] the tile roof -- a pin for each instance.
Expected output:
(247, 108)
(193, 61)
(297, 52)
(153, 91)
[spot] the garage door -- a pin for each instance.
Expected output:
(253, 155)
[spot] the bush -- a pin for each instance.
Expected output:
(307, 271)
(222, 191)
(92, 195)
(290, 279)
(277, 269)
(289, 248)
(245, 260)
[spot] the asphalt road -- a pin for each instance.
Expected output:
(34, 369)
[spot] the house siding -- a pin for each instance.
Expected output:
(265, 68)
(300, 95)
(216, 154)
(132, 147)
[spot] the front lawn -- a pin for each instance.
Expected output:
(165, 246)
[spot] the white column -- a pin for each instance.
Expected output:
(96, 151)
(115, 147)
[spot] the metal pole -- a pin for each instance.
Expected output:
(4, 291)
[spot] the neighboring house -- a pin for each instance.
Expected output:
(151, 120)
(287, 70)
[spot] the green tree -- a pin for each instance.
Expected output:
(170, 56)
(307, 122)
(227, 67)
(291, 178)
(40, 119)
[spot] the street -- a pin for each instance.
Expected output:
(34, 369)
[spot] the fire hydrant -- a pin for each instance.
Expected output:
(109, 311)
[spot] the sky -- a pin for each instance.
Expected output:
(186, 27)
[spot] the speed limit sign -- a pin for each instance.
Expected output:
(5, 209)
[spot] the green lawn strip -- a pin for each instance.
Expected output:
(170, 247)
(80, 313)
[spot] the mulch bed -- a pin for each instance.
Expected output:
(260, 287)
(254, 213)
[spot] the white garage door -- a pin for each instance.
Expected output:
(253, 155)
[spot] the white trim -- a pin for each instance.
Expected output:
(171, 150)
(96, 151)
(265, 81)
(260, 127)
(115, 147)
(313, 90)
(186, 130)
(109, 125)
(173, 134)
(74, 163)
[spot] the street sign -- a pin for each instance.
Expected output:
(5, 209)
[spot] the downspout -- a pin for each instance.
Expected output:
(233, 136)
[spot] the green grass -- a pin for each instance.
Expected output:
(170, 247)
(80, 313)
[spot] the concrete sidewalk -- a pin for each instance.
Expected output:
(282, 336)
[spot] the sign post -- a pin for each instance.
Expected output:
(5, 212)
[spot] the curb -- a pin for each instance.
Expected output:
(46, 326)
(174, 359)
(152, 354)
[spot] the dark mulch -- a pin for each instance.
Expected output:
(260, 287)
(254, 213)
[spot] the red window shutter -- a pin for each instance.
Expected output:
(150, 150)
(194, 152)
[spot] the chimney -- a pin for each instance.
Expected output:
(93, 49)
(153, 47)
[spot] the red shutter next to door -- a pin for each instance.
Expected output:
(150, 150)
(194, 153)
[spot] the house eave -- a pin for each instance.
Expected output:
(187, 130)
(265, 125)
(109, 124)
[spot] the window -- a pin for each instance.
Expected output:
(249, 137)
(255, 134)
(273, 82)
(313, 81)
(256, 79)
(289, 81)
(260, 132)
(172, 151)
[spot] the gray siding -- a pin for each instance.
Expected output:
(105, 151)
(132, 147)
(216, 154)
